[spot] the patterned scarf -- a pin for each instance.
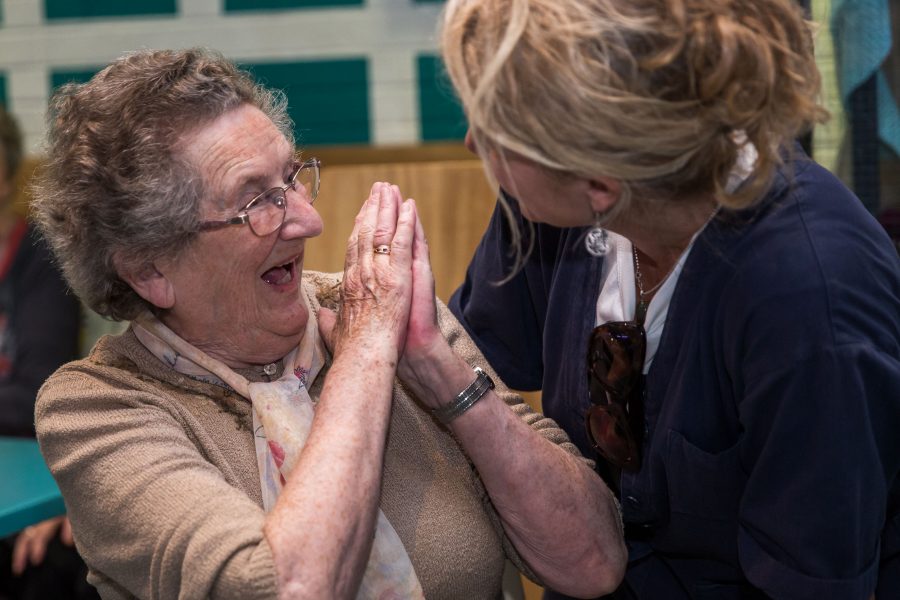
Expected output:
(282, 417)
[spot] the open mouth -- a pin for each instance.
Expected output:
(280, 275)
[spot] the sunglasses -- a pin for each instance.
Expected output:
(615, 419)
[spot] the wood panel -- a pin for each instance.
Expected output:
(366, 155)
(454, 201)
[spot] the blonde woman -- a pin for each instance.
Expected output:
(708, 311)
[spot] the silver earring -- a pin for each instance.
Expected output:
(597, 240)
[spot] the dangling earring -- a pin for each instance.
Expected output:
(597, 240)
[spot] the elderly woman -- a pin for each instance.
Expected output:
(710, 311)
(217, 448)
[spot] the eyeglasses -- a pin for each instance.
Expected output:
(615, 420)
(265, 213)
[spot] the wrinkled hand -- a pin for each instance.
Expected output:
(424, 340)
(377, 288)
(31, 545)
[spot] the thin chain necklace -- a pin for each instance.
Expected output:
(640, 311)
(643, 303)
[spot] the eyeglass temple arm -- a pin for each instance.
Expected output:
(212, 225)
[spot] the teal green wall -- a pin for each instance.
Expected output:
(59, 77)
(328, 100)
(75, 9)
(253, 5)
(442, 117)
(351, 69)
(3, 99)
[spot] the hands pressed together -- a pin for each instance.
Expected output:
(388, 319)
(388, 299)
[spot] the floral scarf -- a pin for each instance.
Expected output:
(282, 418)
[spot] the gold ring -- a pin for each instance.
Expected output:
(382, 249)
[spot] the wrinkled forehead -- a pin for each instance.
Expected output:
(241, 148)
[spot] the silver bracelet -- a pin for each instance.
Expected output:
(466, 398)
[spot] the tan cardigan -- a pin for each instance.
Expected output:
(159, 476)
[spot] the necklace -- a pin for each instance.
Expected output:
(640, 311)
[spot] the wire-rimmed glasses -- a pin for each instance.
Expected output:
(265, 213)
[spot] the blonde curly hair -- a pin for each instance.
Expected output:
(658, 94)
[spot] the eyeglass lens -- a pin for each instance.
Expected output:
(268, 211)
(615, 420)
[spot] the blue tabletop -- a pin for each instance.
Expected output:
(28, 493)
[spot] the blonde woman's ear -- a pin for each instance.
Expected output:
(603, 193)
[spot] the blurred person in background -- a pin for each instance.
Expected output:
(39, 328)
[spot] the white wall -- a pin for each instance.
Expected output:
(390, 33)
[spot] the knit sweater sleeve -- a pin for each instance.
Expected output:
(463, 345)
(152, 517)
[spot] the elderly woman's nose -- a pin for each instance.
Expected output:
(301, 219)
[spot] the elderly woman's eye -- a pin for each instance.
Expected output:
(292, 174)
(270, 196)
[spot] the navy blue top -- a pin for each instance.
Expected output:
(772, 405)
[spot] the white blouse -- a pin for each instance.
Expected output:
(618, 298)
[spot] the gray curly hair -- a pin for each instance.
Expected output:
(116, 184)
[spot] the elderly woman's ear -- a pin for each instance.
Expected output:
(149, 283)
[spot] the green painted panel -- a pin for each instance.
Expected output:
(92, 9)
(255, 5)
(59, 77)
(440, 111)
(3, 99)
(328, 100)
